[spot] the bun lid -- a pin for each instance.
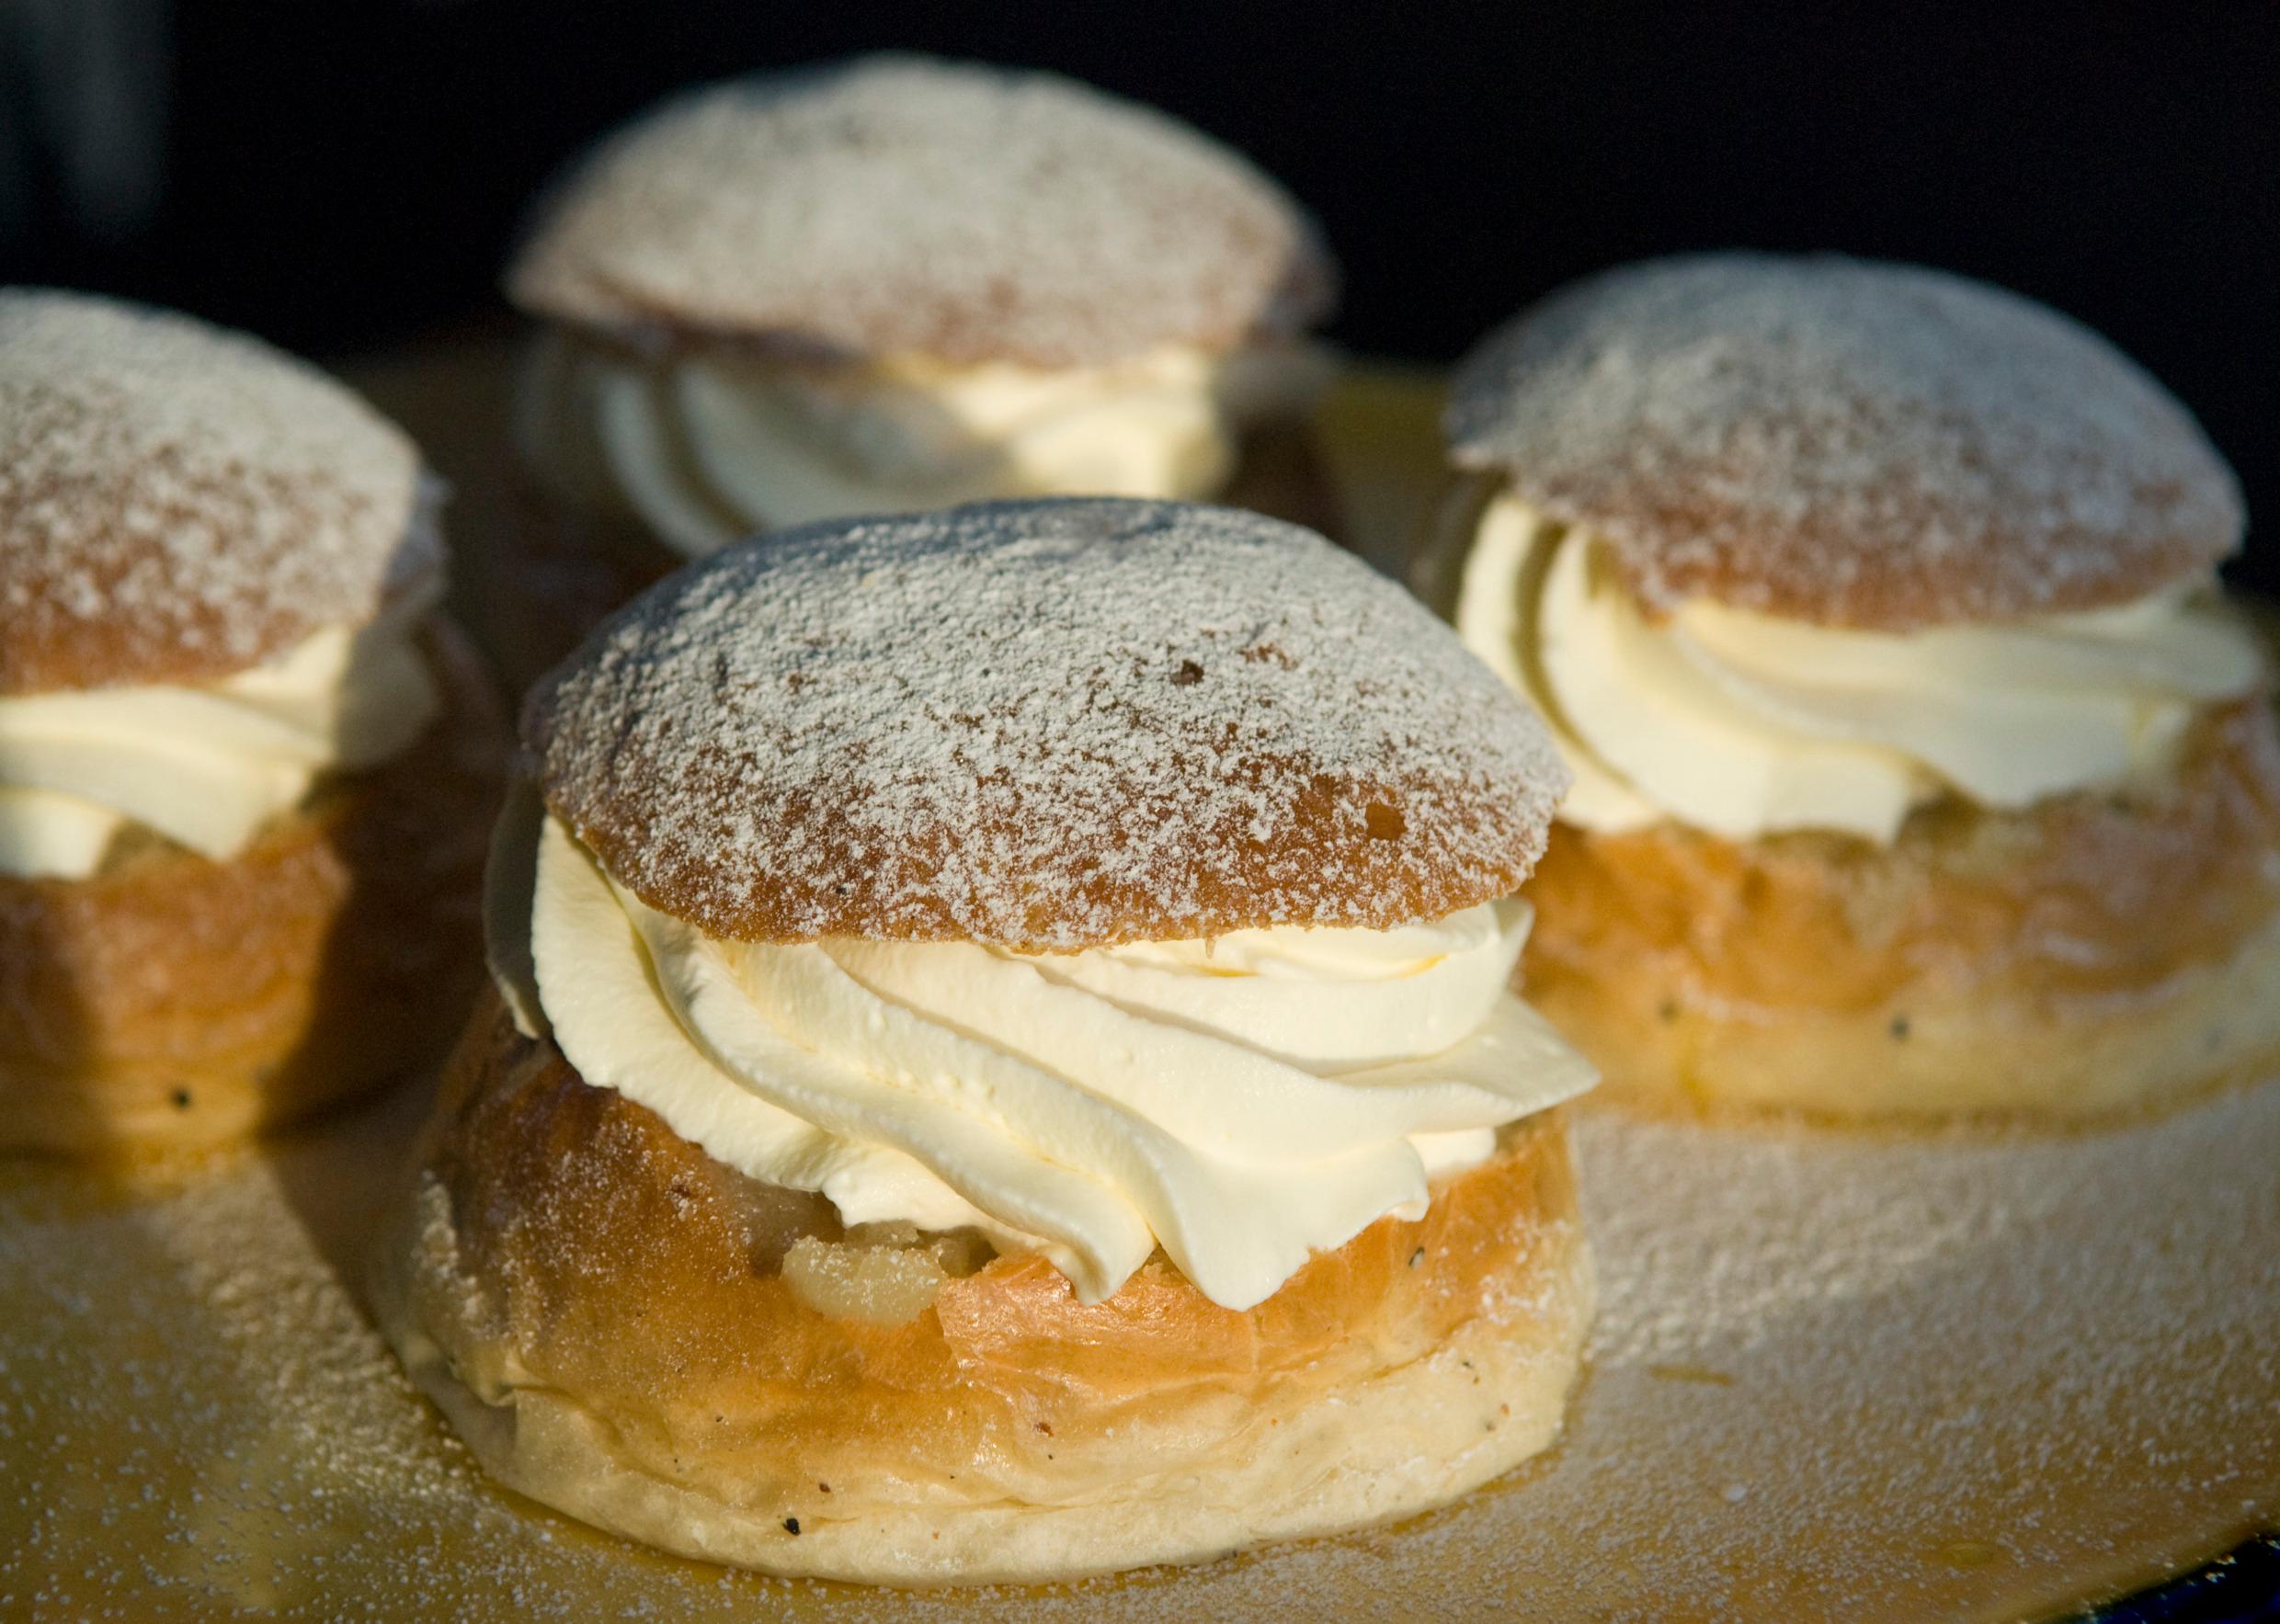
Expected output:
(909, 206)
(1845, 442)
(1051, 724)
(179, 503)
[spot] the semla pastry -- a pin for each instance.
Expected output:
(1921, 767)
(898, 283)
(246, 769)
(1004, 1066)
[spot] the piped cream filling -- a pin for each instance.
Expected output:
(1243, 1103)
(709, 447)
(1745, 724)
(206, 766)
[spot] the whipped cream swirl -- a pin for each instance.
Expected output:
(208, 767)
(1243, 1102)
(1746, 724)
(708, 448)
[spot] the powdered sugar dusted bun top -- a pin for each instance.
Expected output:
(1846, 442)
(902, 205)
(179, 503)
(1054, 725)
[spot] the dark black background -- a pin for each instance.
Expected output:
(343, 175)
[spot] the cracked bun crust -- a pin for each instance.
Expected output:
(179, 503)
(605, 1315)
(1844, 442)
(899, 205)
(169, 1001)
(2098, 956)
(1053, 725)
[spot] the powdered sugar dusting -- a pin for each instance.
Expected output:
(1845, 442)
(897, 204)
(1951, 1377)
(1058, 724)
(178, 502)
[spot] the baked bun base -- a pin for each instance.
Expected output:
(2094, 958)
(594, 1305)
(170, 1002)
(1925, 1059)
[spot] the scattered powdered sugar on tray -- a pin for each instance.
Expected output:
(178, 502)
(1056, 724)
(1845, 442)
(904, 206)
(1955, 1378)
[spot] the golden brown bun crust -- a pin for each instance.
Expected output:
(583, 1292)
(565, 566)
(1845, 442)
(171, 1001)
(179, 503)
(2095, 956)
(900, 205)
(1056, 725)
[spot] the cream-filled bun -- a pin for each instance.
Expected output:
(1921, 767)
(894, 284)
(1004, 1065)
(246, 769)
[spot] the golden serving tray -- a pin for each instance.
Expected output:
(1833, 1375)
